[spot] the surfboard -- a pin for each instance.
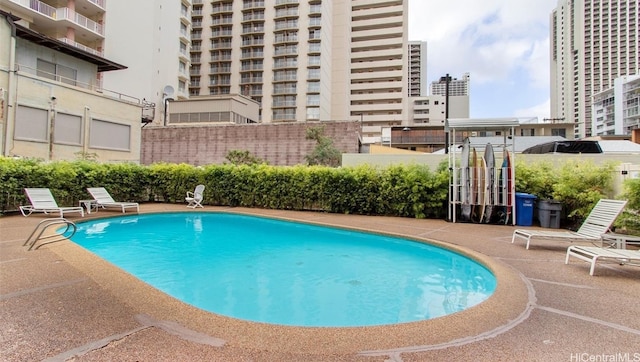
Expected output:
(509, 187)
(473, 170)
(504, 188)
(489, 197)
(481, 189)
(465, 182)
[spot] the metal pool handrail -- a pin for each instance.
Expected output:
(43, 226)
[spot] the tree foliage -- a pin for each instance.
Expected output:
(325, 153)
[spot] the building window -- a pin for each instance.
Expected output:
(313, 100)
(110, 135)
(56, 72)
(313, 113)
(32, 124)
(68, 129)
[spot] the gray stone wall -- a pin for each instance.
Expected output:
(281, 144)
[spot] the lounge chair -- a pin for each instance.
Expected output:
(195, 198)
(595, 225)
(104, 200)
(42, 200)
(593, 254)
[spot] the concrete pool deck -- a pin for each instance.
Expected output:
(62, 303)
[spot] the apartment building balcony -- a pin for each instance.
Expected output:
(247, 42)
(286, 13)
(314, 48)
(220, 57)
(251, 67)
(81, 46)
(256, 29)
(284, 25)
(315, 9)
(253, 16)
(251, 80)
(252, 55)
(257, 4)
(196, 13)
(315, 23)
(286, 2)
(222, 8)
(281, 38)
(380, 76)
(377, 34)
(221, 45)
(282, 51)
(51, 21)
(285, 77)
(284, 115)
(371, 97)
(284, 90)
(370, 54)
(222, 21)
(380, 44)
(284, 104)
(220, 70)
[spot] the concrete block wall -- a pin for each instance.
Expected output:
(281, 144)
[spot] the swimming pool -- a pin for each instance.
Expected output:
(288, 273)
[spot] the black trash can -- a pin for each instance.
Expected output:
(549, 212)
(524, 209)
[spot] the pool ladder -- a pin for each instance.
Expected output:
(45, 224)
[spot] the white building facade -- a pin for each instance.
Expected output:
(53, 105)
(616, 111)
(592, 43)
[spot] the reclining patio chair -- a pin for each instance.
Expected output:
(104, 200)
(595, 225)
(593, 254)
(195, 198)
(42, 200)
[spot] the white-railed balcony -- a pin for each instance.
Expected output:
(80, 46)
(48, 19)
(371, 97)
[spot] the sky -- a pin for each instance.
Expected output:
(502, 44)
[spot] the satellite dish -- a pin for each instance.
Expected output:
(167, 91)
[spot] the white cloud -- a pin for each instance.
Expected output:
(539, 110)
(501, 43)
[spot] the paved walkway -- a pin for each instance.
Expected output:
(61, 303)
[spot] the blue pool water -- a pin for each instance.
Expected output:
(288, 273)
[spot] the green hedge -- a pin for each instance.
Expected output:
(404, 190)
(409, 191)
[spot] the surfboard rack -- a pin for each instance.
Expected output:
(482, 170)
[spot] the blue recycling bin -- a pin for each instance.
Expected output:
(524, 208)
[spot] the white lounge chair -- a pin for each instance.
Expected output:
(195, 198)
(42, 200)
(593, 254)
(104, 200)
(595, 225)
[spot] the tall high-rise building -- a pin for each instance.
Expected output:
(304, 60)
(155, 46)
(593, 42)
(457, 87)
(417, 62)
